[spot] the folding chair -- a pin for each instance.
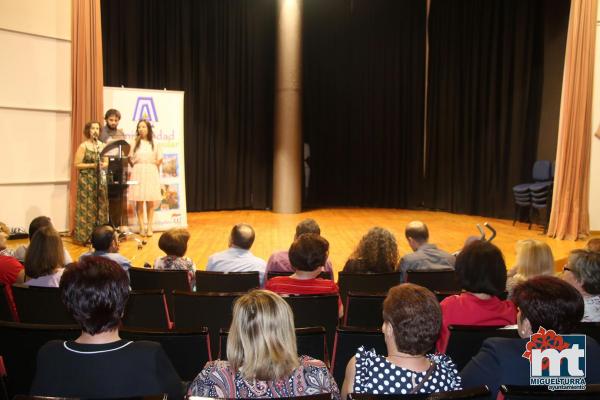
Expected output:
(226, 282)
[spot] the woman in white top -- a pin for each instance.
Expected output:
(146, 160)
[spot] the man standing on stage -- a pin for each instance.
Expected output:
(110, 131)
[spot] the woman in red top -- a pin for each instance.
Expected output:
(482, 273)
(307, 255)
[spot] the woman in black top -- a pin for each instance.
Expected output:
(99, 364)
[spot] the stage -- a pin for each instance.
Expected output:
(343, 227)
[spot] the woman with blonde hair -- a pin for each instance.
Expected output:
(262, 356)
(534, 258)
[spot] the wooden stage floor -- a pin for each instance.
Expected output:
(343, 227)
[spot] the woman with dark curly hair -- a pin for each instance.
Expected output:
(377, 251)
(412, 320)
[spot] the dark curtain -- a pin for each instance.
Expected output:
(221, 53)
(363, 94)
(484, 96)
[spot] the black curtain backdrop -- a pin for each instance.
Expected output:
(221, 53)
(484, 96)
(363, 96)
(363, 91)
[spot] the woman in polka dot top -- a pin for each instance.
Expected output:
(412, 320)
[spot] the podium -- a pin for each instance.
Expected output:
(117, 153)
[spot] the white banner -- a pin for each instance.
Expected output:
(164, 110)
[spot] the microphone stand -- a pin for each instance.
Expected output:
(98, 177)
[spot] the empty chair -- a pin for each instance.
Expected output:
(526, 194)
(167, 280)
(480, 392)
(435, 280)
(147, 309)
(466, 340)
(442, 294)
(591, 329)
(315, 310)
(364, 309)
(187, 350)
(40, 305)
(5, 308)
(193, 311)
(226, 282)
(273, 274)
(512, 392)
(371, 282)
(19, 348)
(347, 340)
(311, 341)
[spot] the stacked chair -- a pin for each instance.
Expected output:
(536, 195)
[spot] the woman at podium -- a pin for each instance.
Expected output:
(91, 208)
(146, 160)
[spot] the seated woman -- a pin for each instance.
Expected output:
(412, 320)
(583, 272)
(99, 364)
(534, 258)
(377, 251)
(174, 243)
(307, 255)
(482, 274)
(262, 356)
(44, 260)
(543, 301)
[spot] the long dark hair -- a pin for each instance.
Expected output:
(138, 138)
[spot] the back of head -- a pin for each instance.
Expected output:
(481, 269)
(45, 253)
(95, 291)
(377, 250)
(174, 242)
(308, 225)
(585, 265)
(534, 258)
(103, 237)
(308, 252)
(242, 236)
(417, 230)
(549, 302)
(415, 315)
(37, 223)
(593, 244)
(262, 341)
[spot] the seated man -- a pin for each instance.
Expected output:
(307, 255)
(279, 260)
(238, 258)
(37, 223)
(105, 241)
(426, 256)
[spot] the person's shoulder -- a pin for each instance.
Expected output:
(308, 361)
(52, 349)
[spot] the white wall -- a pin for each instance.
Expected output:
(595, 164)
(35, 110)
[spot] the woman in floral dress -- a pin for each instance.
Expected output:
(92, 202)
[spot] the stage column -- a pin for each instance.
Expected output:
(287, 149)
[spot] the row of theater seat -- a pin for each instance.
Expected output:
(189, 350)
